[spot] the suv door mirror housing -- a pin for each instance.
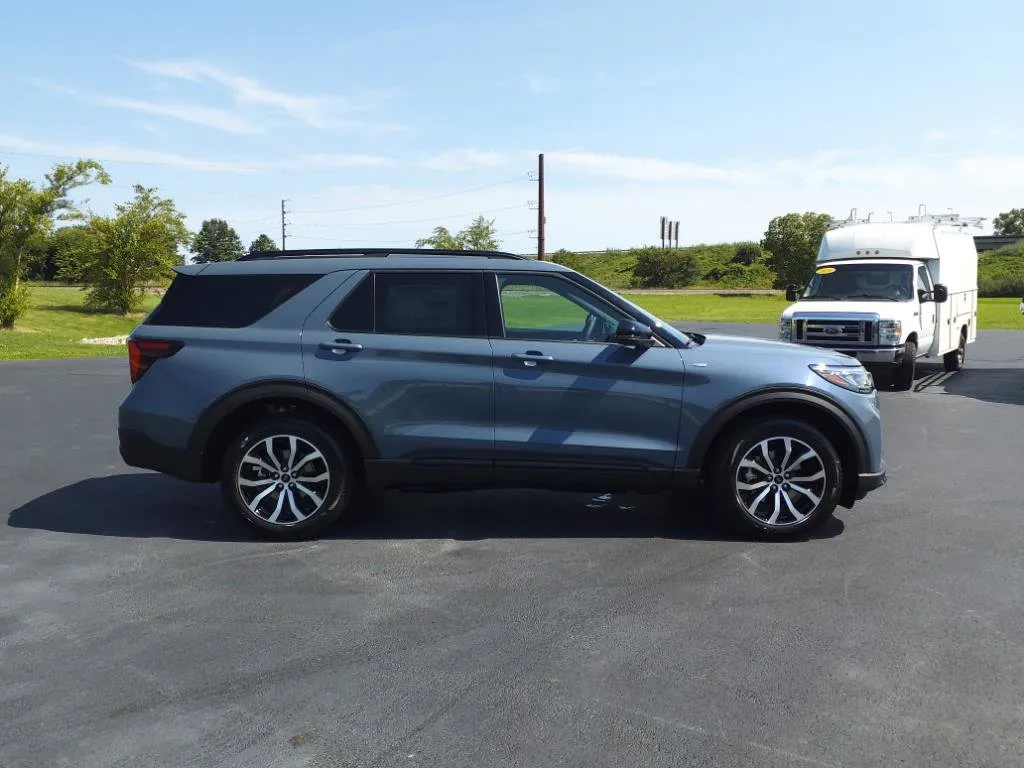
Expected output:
(631, 333)
(792, 292)
(940, 293)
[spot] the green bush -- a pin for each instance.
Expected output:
(13, 303)
(664, 268)
(719, 265)
(1001, 272)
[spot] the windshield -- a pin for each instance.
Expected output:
(872, 282)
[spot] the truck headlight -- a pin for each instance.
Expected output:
(785, 330)
(854, 379)
(890, 332)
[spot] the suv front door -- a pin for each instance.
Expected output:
(567, 401)
(408, 352)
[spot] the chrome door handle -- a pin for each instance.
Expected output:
(341, 345)
(530, 359)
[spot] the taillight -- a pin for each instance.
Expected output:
(142, 353)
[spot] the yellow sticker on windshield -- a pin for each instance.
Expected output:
(825, 270)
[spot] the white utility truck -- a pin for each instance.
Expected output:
(890, 293)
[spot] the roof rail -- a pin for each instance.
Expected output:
(356, 253)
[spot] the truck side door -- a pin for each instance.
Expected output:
(926, 312)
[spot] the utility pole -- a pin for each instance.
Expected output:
(283, 231)
(540, 207)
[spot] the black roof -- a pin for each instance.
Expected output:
(355, 253)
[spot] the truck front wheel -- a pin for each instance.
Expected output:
(904, 378)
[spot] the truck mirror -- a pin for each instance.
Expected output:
(792, 292)
(940, 293)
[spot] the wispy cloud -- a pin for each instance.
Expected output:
(541, 84)
(933, 136)
(113, 153)
(316, 111)
(465, 160)
(646, 168)
(209, 117)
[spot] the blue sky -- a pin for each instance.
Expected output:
(379, 120)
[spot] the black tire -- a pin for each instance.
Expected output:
(954, 359)
(334, 495)
(903, 379)
(735, 505)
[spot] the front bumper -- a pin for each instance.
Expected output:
(870, 481)
(866, 355)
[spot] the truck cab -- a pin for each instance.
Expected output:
(889, 294)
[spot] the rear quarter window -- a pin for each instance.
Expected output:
(226, 301)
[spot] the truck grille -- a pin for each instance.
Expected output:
(834, 331)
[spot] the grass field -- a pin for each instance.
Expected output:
(57, 321)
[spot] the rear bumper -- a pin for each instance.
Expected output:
(139, 450)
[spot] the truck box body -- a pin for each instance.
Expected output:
(871, 295)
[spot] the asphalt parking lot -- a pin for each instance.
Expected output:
(141, 626)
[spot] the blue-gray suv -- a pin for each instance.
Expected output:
(299, 379)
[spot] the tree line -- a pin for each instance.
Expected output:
(45, 234)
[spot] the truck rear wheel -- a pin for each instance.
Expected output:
(904, 378)
(954, 360)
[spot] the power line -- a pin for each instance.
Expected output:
(417, 221)
(389, 242)
(419, 200)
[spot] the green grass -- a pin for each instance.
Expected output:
(55, 323)
(56, 320)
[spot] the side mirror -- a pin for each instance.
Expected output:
(792, 292)
(630, 333)
(940, 293)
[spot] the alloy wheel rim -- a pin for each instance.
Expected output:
(780, 481)
(283, 480)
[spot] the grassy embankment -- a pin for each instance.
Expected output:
(56, 322)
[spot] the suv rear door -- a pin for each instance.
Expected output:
(569, 402)
(408, 351)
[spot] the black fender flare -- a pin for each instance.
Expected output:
(224, 406)
(777, 396)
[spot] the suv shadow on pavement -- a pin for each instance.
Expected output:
(144, 505)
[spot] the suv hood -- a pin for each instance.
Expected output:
(763, 351)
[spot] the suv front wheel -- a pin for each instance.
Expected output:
(779, 477)
(287, 477)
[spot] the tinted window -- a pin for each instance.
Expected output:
(355, 313)
(545, 307)
(225, 301)
(434, 304)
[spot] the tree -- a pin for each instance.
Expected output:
(117, 256)
(478, 236)
(262, 244)
(792, 243)
(1010, 223)
(664, 268)
(216, 241)
(28, 214)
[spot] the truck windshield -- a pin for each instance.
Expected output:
(871, 282)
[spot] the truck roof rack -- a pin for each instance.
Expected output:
(922, 217)
(357, 253)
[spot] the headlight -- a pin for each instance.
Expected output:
(785, 330)
(890, 332)
(854, 379)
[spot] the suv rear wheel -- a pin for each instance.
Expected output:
(776, 478)
(287, 477)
